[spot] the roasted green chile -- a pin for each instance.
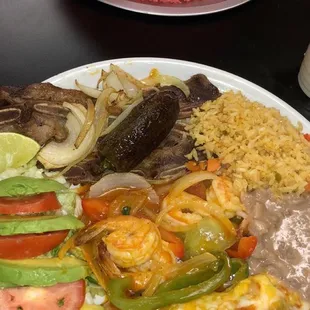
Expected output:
(147, 125)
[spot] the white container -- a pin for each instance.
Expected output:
(304, 73)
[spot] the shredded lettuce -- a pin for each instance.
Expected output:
(31, 170)
(95, 294)
(54, 252)
(67, 200)
(76, 252)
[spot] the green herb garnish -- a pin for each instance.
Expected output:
(126, 210)
(236, 219)
(61, 302)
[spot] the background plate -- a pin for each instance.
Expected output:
(140, 67)
(188, 9)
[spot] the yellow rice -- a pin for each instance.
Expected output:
(263, 149)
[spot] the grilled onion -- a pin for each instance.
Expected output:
(90, 114)
(156, 78)
(89, 91)
(57, 155)
(122, 180)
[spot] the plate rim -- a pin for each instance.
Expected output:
(158, 10)
(154, 60)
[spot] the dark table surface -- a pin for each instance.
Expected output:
(262, 41)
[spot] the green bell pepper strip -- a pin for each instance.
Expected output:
(117, 287)
(201, 274)
(239, 270)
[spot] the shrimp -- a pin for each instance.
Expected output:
(143, 275)
(161, 258)
(135, 245)
(181, 212)
(159, 263)
(131, 241)
(221, 193)
(139, 279)
(128, 246)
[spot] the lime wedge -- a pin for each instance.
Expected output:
(16, 150)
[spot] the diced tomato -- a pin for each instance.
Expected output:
(198, 189)
(64, 296)
(307, 187)
(29, 204)
(30, 245)
(96, 209)
(175, 243)
(307, 136)
(244, 248)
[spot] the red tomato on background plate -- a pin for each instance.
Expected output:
(65, 296)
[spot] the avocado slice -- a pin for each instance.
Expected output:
(21, 186)
(6, 285)
(14, 225)
(42, 272)
(91, 307)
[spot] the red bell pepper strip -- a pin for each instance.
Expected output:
(307, 136)
(175, 244)
(95, 208)
(244, 248)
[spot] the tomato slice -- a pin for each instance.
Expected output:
(176, 245)
(96, 209)
(30, 245)
(29, 204)
(65, 296)
(244, 248)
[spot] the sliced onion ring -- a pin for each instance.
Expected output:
(188, 180)
(87, 124)
(99, 123)
(113, 81)
(57, 155)
(126, 76)
(122, 116)
(89, 91)
(101, 113)
(103, 76)
(184, 267)
(196, 204)
(156, 78)
(122, 180)
(173, 271)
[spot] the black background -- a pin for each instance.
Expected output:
(262, 41)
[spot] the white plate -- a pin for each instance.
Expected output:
(198, 7)
(140, 67)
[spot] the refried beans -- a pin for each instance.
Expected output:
(283, 231)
